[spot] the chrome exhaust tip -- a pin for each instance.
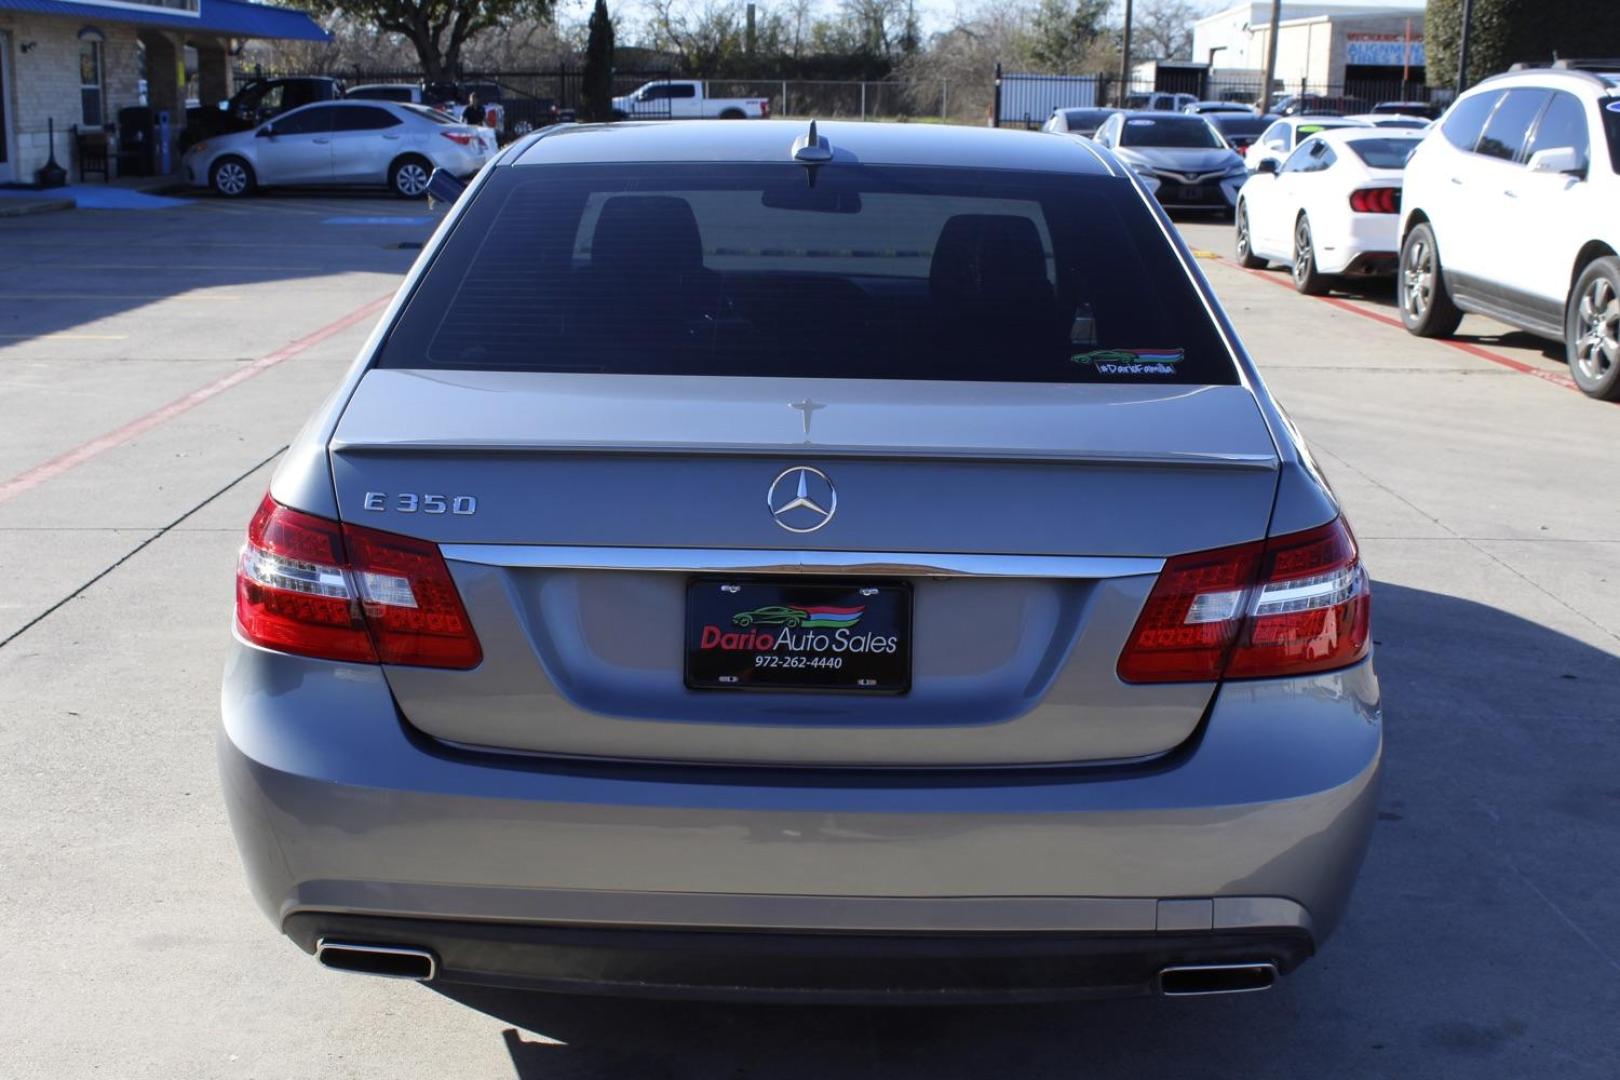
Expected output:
(1199, 980)
(384, 961)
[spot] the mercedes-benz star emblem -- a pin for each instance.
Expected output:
(802, 499)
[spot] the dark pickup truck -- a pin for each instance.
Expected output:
(257, 102)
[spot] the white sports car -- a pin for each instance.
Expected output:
(1330, 209)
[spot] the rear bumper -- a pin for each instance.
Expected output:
(1255, 830)
(1356, 244)
(802, 966)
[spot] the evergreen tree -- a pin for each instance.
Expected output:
(596, 91)
(1505, 32)
(1063, 32)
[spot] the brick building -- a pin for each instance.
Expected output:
(79, 62)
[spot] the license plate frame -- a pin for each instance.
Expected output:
(850, 637)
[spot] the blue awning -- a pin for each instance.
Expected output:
(218, 18)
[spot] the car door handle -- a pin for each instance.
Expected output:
(1457, 180)
(391, 137)
(323, 140)
(1510, 193)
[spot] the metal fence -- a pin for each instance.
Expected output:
(530, 95)
(532, 98)
(1025, 99)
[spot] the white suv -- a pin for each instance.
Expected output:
(1512, 209)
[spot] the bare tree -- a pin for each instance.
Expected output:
(706, 33)
(1163, 29)
(956, 67)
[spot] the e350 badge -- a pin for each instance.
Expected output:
(1131, 361)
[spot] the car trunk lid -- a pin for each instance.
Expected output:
(1025, 522)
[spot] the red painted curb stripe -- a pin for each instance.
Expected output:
(1462, 346)
(141, 425)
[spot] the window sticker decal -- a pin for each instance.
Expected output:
(1131, 361)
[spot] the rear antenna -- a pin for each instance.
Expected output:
(811, 151)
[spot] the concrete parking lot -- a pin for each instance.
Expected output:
(153, 365)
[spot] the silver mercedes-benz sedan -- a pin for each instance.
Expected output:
(857, 564)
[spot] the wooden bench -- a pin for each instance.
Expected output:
(92, 149)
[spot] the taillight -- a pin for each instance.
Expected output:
(313, 587)
(1285, 606)
(1376, 200)
(765, 109)
(460, 138)
(410, 601)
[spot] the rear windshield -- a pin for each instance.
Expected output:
(1384, 153)
(1094, 117)
(875, 272)
(1240, 125)
(430, 114)
(1193, 131)
(381, 93)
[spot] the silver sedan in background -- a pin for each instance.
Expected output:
(373, 144)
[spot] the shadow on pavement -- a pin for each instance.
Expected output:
(61, 271)
(1481, 941)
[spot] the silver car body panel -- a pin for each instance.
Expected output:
(561, 780)
(343, 809)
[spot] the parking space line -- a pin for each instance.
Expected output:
(157, 535)
(215, 299)
(1508, 362)
(116, 268)
(63, 337)
(84, 452)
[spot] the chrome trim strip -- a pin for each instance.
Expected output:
(1155, 459)
(770, 561)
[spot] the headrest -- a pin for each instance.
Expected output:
(646, 234)
(989, 257)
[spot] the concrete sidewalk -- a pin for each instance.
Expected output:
(120, 193)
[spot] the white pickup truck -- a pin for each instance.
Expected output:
(686, 99)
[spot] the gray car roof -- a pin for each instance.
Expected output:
(772, 140)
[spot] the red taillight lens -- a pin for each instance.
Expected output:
(309, 586)
(1376, 200)
(1290, 605)
(460, 138)
(765, 109)
(410, 601)
(293, 591)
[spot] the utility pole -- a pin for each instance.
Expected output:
(1271, 57)
(1462, 50)
(1125, 58)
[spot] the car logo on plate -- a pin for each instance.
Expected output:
(802, 499)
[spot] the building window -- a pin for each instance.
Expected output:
(90, 82)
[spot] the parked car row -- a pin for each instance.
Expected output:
(264, 99)
(1503, 207)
